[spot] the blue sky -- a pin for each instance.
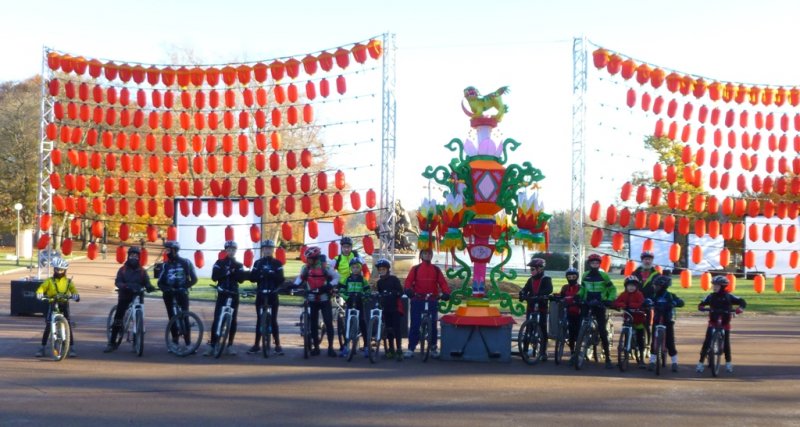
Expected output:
(442, 48)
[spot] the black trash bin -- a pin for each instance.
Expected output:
(23, 298)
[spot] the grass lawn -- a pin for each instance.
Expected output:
(768, 302)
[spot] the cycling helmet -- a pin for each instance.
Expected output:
(632, 280)
(356, 261)
(722, 281)
(313, 253)
(346, 241)
(134, 250)
(647, 254)
(571, 272)
(267, 243)
(172, 244)
(60, 263)
(663, 281)
(594, 257)
(231, 244)
(383, 262)
(537, 262)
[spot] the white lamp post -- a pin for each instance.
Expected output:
(18, 208)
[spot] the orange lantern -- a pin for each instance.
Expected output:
(732, 282)
(724, 257)
(697, 254)
(675, 252)
(769, 259)
(605, 263)
(705, 281)
(686, 279)
(91, 251)
(779, 284)
(597, 237)
(749, 259)
(617, 241)
(758, 283)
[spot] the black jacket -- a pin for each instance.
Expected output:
(393, 289)
(228, 273)
(132, 280)
(267, 273)
(177, 274)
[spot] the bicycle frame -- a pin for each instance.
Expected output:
(137, 305)
(56, 316)
(226, 309)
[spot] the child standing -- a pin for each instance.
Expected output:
(354, 288)
(664, 304)
(537, 290)
(391, 290)
(569, 293)
(58, 284)
(720, 303)
(632, 301)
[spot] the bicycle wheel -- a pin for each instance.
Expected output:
(561, 339)
(222, 338)
(622, 350)
(305, 333)
(528, 342)
(373, 339)
(715, 352)
(138, 336)
(127, 327)
(610, 332)
(59, 343)
(190, 329)
(266, 332)
(353, 338)
(659, 349)
(424, 338)
(583, 343)
(340, 330)
(110, 322)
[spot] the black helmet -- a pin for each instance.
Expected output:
(572, 271)
(267, 243)
(722, 281)
(647, 254)
(383, 262)
(231, 244)
(632, 279)
(172, 244)
(346, 241)
(356, 261)
(134, 250)
(663, 281)
(537, 262)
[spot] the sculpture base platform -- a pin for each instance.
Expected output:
(476, 338)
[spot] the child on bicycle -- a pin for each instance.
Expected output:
(228, 273)
(569, 293)
(664, 304)
(52, 286)
(354, 287)
(176, 277)
(424, 278)
(320, 280)
(633, 299)
(131, 280)
(537, 290)
(392, 290)
(646, 272)
(267, 273)
(596, 292)
(720, 303)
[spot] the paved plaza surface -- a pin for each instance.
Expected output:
(160, 389)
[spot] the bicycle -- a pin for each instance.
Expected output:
(716, 347)
(305, 322)
(352, 332)
(628, 341)
(59, 327)
(375, 327)
(339, 313)
(133, 329)
(659, 343)
(426, 341)
(183, 325)
(223, 326)
(562, 331)
(265, 317)
(589, 337)
(530, 339)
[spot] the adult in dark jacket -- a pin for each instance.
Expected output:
(267, 274)
(228, 273)
(391, 291)
(176, 277)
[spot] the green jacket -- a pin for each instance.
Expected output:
(597, 285)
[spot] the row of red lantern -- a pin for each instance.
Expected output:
(767, 185)
(745, 140)
(713, 115)
(747, 162)
(132, 141)
(187, 121)
(687, 85)
(169, 164)
(229, 75)
(195, 187)
(195, 99)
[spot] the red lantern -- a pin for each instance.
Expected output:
(248, 258)
(597, 237)
(355, 200)
(749, 259)
(724, 257)
(91, 251)
(338, 202)
(286, 231)
(324, 203)
(289, 205)
(371, 221)
(617, 241)
(333, 250)
(338, 226)
(675, 252)
(305, 204)
(758, 283)
(313, 229)
(369, 245)
(44, 242)
(686, 278)
(66, 247)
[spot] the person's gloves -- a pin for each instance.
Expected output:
(521, 296)
(76, 297)
(445, 297)
(39, 296)
(409, 292)
(739, 310)
(326, 288)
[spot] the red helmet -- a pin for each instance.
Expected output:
(537, 262)
(594, 257)
(313, 252)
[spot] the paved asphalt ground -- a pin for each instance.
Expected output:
(161, 389)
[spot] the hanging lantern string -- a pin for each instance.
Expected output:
(274, 222)
(222, 64)
(668, 70)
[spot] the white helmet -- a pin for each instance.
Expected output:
(60, 263)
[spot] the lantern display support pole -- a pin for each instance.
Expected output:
(44, 204)
(576, 239)
(388, 144)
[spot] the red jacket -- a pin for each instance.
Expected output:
(426, 278)
(631, 300)
(569, 292)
